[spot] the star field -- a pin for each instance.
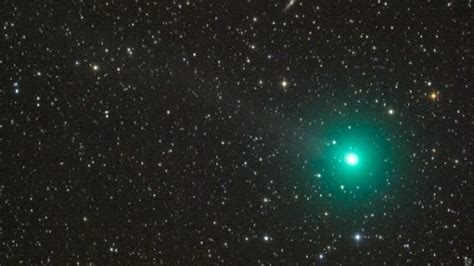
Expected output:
(237, 132)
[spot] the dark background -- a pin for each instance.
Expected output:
(193, 152)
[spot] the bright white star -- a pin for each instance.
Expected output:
(357, 237)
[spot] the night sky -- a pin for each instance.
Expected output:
(237, 132)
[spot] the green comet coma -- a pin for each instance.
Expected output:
(354, 159)
(351, 159)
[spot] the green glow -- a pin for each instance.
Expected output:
(354, 159)
(351, 159)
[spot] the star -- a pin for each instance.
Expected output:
(357, 237)
(16, 87)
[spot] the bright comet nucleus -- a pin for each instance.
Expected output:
(351, 159)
